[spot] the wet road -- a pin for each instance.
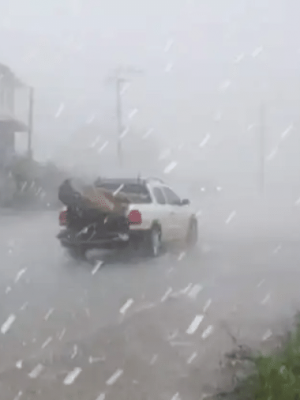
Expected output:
(144, 329)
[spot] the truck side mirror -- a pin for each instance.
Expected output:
(185, 202)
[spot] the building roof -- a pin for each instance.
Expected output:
(16, 125)
(7, 72)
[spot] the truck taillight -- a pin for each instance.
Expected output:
(135, 217)
(63, 218)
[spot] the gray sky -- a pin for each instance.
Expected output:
(199, 58)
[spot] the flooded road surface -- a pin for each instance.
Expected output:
(143, 329)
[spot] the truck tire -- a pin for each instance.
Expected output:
(77, 253)
(192, 234)
(153, 242)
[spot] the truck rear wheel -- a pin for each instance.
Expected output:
(153, 242)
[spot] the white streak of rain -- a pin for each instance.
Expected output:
(168, 45)
(126, 306)
(72, 376)
(257, 51)
(166, 295)
(24, 186)
(101, 396)
(169, 67)
(113, 379)
(287, 131)
(205, 140)
(207, 305)
(266, 299)
(125, 88)
(239, 58)
(62, 334)
(97, 267)
(186, 289)
(272, 154)
(217, 116)
(48, 314)
(95, 141)
(36, 371)
(170, 167)
(195, 324)
(24, 306)
(192, 358)
(148, 133)
(124, 133)
(144, 307)
(132, 113)
(267, 335)
(47, 341)
(101, 148)
(225, 85)
(7, 324)
(18, 396)
(154, 359)
(230, 217)
(90, 119)
(118, 190)
(165, 154)
(208, 331)
(93, 360)
(260, 283)
(193, 293)
(60, 110)
(20, 274)
(7, 290)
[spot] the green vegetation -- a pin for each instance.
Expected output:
(275, 377)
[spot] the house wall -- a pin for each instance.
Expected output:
(7, 144)
(6, 95)
(14, 97)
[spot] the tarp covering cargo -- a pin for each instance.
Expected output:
(75, 193)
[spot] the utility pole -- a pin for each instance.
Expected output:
(262, 139)
(119, 79)
(119, 82)
(30, 122)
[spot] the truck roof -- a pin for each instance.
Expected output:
(122, 181)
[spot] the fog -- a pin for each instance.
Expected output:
(206, 68)
(210, 102)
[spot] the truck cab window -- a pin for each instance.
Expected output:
(171, 197)
(159, 196)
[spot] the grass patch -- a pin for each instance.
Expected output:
(275, 377)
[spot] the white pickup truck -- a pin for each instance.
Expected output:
(155, 215)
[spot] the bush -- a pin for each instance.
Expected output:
(276, 377)
(37, 184)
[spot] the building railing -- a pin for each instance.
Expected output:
(14, 97)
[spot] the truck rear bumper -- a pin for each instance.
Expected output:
(112, 241)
